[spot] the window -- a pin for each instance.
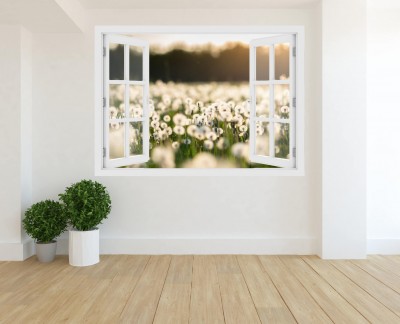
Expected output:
(269, 135)
(126, 93)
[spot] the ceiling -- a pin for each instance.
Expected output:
(36, 15)
(196, 4)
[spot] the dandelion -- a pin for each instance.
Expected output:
(284, 109)
(208, 145)
(180, 119)
(179, 130)
(175, 146)
(186, 141)
(163, 125)
(169, 131)
(211, 136)
(241, 150)
(167, 118)
(113, 112)
(222, 143)
(155, 124)
(155, 117)
(202, 160)
(243, 128)
(191, 130)
(163, 156)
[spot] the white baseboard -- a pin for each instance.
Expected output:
(17, 251)
(383, 246)
(295, 246)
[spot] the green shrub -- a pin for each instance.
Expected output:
(87, 203)
(45, 220)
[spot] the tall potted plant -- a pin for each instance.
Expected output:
(44, 222)
(87, 204)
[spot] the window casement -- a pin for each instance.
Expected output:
(272, 121)
(126, 130)
(126, 98)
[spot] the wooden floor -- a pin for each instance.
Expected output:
(202, 289)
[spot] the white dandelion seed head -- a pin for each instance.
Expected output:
(284, 109)
(208, 145)
(175, 145)
(191, 130)
(163, 156)
(202, 160)
(179, 130)
(113, 112)
(222, 143)
(211, 136)
(167, 118)
(155, 124)
(180, 119)
(241, 150)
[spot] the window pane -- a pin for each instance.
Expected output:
(116, 140)
(117, 103)
(282, 100)
(262, 63)
(136, 138)
(135, 101)
(135, 63)
(262, 138)
(282, 61)
(262, 101)
(116, 62)
(282, 140)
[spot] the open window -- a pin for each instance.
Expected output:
(193, 119)
(273, 101)
(125, 101)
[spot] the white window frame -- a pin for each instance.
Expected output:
(126, 42)
(100, 31)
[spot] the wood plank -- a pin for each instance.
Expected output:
(236, 300)
(386, 263)
(334, 305)
(78, 299)
(301, 304)
(108, 306)
(174, 304)
(269, 304)
(142, 304)
(374, 287)
(206, 305)
(368, 306)
(389, 278)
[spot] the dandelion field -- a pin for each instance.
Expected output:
(195, 125)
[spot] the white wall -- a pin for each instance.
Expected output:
(15, 139)
(173, 214)
(383, 157)
(344, 129)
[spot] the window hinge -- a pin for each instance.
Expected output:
(104, 152)
(104, 51)
(294, 50)
(104, 102)
(294, 152)
(294, 102)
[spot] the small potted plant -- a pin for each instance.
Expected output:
(44, 221)
(87, 204)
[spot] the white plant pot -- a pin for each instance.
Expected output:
(83, 248)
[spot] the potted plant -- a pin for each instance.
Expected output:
(44, 221)
(87, 203)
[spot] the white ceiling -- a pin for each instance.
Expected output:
(195, 4)
(36, 15)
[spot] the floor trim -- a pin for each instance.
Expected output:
(299, 246)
